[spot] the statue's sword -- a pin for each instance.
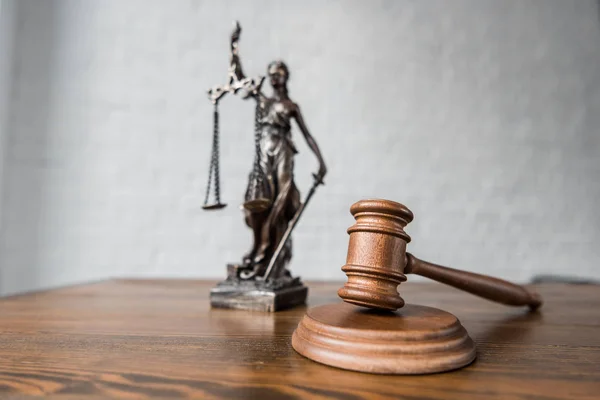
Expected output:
(290, 228)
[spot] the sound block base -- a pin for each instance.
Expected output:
(413, 340)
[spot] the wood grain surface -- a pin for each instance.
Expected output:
(159, 338)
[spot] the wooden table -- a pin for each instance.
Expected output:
(159, 338)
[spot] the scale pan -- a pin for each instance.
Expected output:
(216, 206)
(257, 205)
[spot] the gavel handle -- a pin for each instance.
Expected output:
(480, 285)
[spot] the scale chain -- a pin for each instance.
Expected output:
(216, 154)
(214, 161)
(257, 177)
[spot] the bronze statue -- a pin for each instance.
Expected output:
(272, 205)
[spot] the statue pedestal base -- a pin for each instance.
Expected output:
(412, 340)
(256, 295)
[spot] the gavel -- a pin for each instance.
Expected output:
(377, 262)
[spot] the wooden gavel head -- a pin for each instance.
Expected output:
(376, 254)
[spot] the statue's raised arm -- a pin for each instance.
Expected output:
(237, 79)
(235, 66)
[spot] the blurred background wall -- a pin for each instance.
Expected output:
(7, 17)
(482, 116)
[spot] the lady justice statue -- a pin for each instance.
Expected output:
(272, 205)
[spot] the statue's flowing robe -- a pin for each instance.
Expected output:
(277, 163)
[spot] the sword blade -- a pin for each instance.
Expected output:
(289, 230)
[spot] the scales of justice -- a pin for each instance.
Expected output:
(272, 204)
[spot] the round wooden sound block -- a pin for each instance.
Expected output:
(412, 340)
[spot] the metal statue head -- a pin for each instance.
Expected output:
(278, 74)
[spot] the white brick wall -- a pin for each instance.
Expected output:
(481, 116)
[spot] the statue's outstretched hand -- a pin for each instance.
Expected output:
(321, 174)
(235, 36)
